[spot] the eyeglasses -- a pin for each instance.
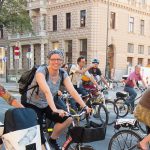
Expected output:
(54, 60)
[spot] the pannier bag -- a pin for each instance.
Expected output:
(21, 130)
(85, 134)
(142, 114)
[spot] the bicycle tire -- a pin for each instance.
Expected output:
(124, 140)
(142, 127)
(123, 108)
(72, 146)
(100, 112)
(112, 110)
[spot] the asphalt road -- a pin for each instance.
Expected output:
(98, 145)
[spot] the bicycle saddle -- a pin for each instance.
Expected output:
(122, 94)
(126, 123)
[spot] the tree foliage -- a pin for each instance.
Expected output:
(14, 16)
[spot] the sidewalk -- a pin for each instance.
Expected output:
(10, 86)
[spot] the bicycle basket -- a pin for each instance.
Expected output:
(85, 134)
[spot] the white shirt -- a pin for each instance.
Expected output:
(76, 76)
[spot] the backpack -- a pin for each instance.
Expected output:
(85, 78)
(27, 78)
(21, 130)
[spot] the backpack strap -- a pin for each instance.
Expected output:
(61, 73)
(46, 77)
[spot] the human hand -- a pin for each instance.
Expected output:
(59, 93)
(61, 112)
(88, 110)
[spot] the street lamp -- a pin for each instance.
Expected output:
(107, 28)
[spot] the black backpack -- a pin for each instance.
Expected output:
(18, 118)
(27, 78)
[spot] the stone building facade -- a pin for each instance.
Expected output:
(118, 31)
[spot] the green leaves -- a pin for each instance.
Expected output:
(14, 16)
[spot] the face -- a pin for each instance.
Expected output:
(95, 65)
(82, 63)
(137, 70)
(55, 61)
(66, 67)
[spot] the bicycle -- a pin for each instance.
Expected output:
(126, 139)
(99, 110)
(74, 140)
(121, 102)
(108, 111)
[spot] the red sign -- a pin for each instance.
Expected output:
(16, 51)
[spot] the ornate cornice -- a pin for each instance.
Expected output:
(112, 3)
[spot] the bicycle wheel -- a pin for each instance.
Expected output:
(123, 108)
(142, 127)
(72, 146)
(100, 114)
(75, 146)
(124, 140)
(112, 111)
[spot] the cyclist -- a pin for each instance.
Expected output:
(9, 98)
(96, 72)
(131, 84)
(44, 102)
(76, 73)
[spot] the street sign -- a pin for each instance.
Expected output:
(5, 59)
(29, 55)
(16, 51)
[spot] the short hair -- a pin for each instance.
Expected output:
(137, 66)
(79, 59)
(57, 51)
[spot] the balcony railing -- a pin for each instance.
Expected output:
(36, 4)
(27, 35)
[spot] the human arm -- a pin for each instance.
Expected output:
(94, 81)
(75, 69)
(11, 100)
(104, 81)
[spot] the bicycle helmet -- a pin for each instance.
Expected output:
(95, 61)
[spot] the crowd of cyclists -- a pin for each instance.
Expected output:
(75, 79)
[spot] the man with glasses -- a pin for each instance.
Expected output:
(76, 72)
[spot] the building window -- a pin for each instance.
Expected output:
(143, 2)
(1, 32)
(131, 24)
(148, 50)
(55, 23)
(83, 45)
(141, 49)
(69, 51)
(142, 27)
(1, 66)
(44, 22)
(140, 61)
(82, 18)
(148, 62)
(129, 61)
(55, 45)
(112, 20)
(68, 20)
(130, 48)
